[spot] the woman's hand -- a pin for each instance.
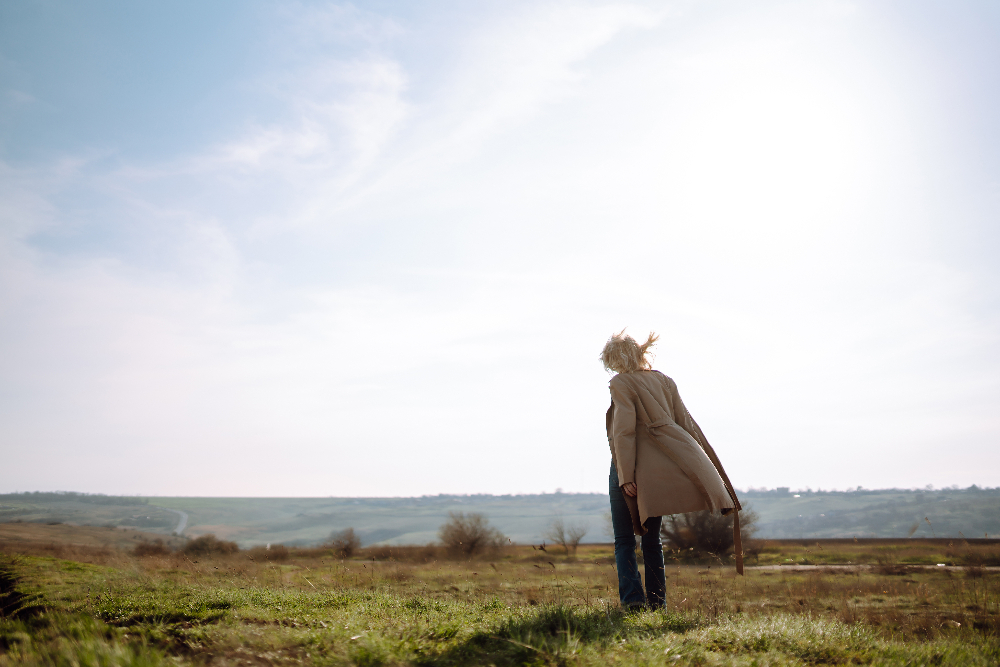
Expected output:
(629, 489)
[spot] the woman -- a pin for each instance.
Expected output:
(661, 464)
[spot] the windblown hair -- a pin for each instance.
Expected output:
(622, 354)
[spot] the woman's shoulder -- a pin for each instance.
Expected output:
(661, 378)
(635, 377)
(623, 382)
(664, 376)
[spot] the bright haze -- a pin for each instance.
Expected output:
(374, 249)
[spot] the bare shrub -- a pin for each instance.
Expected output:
(887, 562)
(154, 548)
(209, 545)
(345, 542)
(752, 547)
(568, 537)
(979, 555)
(470, 534)
(382, 552)
(609, 525)
(974, 571)
(309, 552)
(698, 534)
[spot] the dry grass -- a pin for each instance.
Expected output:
(877, 552)
(16, 534)
(907, 601)
(414, 605)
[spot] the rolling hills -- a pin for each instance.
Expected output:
(971, 512)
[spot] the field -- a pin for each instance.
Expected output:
(893, 604)
(957, 513)
(61, 537)
(309, 521)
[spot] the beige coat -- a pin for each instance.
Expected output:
(656, 444)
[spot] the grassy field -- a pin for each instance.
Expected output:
(90, 605)
(59, 537)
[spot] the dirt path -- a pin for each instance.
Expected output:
(181, 523)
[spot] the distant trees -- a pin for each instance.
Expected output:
(73, 497)
(568, 537)
(469, 534)
(703, 533)
(345, 542)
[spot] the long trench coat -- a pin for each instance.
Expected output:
(656, 444)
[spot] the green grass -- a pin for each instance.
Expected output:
(522, 608)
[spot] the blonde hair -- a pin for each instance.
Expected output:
(622, 354)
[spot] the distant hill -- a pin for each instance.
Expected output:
(307, 521)
(972, 512)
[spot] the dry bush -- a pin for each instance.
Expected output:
(697, 534)
(346, 542)
(568, 537)
(752, 548)
(154, 548)
(310, 552)
(382, 552)
(469, 535)
(410, 554)
(278, 552)
(887, 562)
(979, 555)
(272, 552)
(209, 545)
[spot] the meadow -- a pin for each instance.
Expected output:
(884, 602)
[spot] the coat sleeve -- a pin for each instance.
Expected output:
(623, 431)
(687, 422)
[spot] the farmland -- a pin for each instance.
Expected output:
(886, 602)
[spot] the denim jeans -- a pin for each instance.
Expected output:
(629, 583)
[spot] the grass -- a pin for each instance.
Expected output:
(61, 537)
(900, 552)
(519, 607)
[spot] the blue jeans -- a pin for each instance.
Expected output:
(629, 583)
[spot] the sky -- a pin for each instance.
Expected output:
(324, 249)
